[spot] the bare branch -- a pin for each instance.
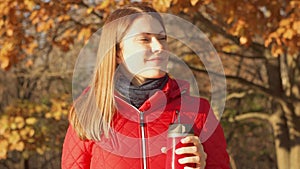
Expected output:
(238, 95)
(93, 12)
(251, 115)
(242, 56)
(46, 74)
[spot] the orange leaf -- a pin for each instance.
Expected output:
(84, 34)
(103, 5)
(296, 26)
(29, 63)
(89, 10)
(29, 4)
(161, 5)
(276, 51)
(33, 15)
(289, 34)
(194, 2)
(9, 32)
(243, 40)
(285, 22)
(5, 53)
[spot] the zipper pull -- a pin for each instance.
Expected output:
(178, 116)
(142, 120)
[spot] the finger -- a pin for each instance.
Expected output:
(187, 167)
(196, 141)
(191, 139)
(191, 159)
(187, 150)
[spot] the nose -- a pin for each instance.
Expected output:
(156, 45)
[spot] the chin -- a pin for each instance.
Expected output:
(153, 75)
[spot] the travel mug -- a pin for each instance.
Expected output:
(176, 132)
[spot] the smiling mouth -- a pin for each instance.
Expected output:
(156, 59)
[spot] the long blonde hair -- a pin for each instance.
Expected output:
(92, 113)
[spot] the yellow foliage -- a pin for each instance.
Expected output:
(19, 146)
(19, 122)
(84, 34)
(89, 10)
(40, 150)
(31, 127)
(48, 115)
(31, 120)
(27, 133)
(230, 48)
(14, 137)
(4, 124)
(29, 48)
(3, 148)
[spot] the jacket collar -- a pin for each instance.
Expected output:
(172, 90)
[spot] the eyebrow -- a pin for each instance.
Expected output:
(147, 33)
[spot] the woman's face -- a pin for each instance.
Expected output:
(143, 48)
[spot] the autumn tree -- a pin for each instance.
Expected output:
(259, 44)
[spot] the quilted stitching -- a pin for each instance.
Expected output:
(78, 154)
(75, 155)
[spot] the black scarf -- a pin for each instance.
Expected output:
(137, 94)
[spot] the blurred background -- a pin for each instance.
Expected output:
(258, 42)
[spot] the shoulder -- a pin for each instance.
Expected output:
(201, 104)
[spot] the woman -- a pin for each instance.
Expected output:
(121, 120)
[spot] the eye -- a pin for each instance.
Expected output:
(144, 39)
(162, 37)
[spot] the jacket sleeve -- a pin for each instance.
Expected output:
(76, 153)
(213, 140)
(215, 147)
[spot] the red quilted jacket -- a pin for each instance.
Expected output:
(125, 148)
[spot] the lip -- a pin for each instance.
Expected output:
(156, 59)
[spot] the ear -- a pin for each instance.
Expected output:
(119, 58)
(119, 55)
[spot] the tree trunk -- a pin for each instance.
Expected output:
(295, 138)
(295, 157)
(281, 139)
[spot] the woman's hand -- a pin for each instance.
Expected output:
(199, 155)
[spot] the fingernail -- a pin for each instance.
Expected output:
(180, 161)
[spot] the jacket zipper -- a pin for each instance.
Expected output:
(143, 141)
(142, 125)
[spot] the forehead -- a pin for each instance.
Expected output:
(145, 24)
